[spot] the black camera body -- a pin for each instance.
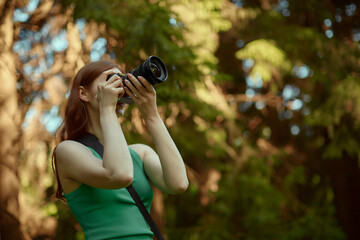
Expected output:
(152, 69)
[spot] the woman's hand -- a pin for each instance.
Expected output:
(143, 94)
(110, 90)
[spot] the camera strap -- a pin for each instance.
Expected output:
(92, 141)
(144, 212)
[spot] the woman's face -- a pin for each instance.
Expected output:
(93, 89)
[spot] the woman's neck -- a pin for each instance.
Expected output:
(94, 125)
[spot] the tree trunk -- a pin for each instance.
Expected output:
(345, 181)
(10, 227)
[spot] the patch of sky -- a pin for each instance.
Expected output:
(296, 105)
(250, 92)
(45, 30)
(240, 43)
(286, 12)
(301, 71)
(34, 56)
(254, 81)
(28, 117)
(281, 116)
(33, 4)
(173, 21)
(28, 69)
(37, 36)
(306, 98)
(329, 33)
(283, 4)
(306, 111)
(350, 9)
(51, 120)
(50, 58)
(247, 64)
(328, 22)
(282, 8)
(338, 17)
(98, 49)
(22, 47)
(59, 42)
(290, 92)
(20, 15)
(25, 34)
(80, 23)
(356, 35)
(46, 95)
(112, 55)
(244, 106)
(67, 94)
(34, 73)
(295, 129)
(260, 105)
(35, 76)
(238, 3)
(42, 65)
(238, 142)
(288, 114)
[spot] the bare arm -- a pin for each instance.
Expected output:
(117, 158)
(167, 169)
(76, 162)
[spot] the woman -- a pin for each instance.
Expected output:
(95, 188)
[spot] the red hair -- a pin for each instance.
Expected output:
(76, 119)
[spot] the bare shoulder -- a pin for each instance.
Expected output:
(143, 150)
(67, 149)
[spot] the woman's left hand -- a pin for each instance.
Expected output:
(143, 94)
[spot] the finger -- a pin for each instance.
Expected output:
(112, 70)
(146, 84)
(104, 74)
(113, 78)
(120, 92)
(132, 88)
(136, 83)
(130, 93)
(116, 83)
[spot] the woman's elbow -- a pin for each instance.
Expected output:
(180, 188)
(122, 180)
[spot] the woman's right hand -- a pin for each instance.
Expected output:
(109, 90)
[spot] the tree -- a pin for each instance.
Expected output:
(9, 127)
(262, 100)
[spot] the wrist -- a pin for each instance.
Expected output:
(107, 111)
(152, 117)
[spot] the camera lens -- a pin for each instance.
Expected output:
(155, 70)
(152, 69)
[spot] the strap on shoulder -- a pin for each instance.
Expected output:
(93, 142)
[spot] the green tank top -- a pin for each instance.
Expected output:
(112, 214)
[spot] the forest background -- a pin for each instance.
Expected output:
(262, 99)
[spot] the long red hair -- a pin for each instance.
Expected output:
(76, 119)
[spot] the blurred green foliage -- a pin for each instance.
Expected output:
(274, 183)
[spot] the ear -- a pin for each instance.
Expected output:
(84, 96)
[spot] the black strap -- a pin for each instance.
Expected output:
(93, 142)
(144, 212)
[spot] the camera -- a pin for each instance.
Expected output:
(152, 69)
